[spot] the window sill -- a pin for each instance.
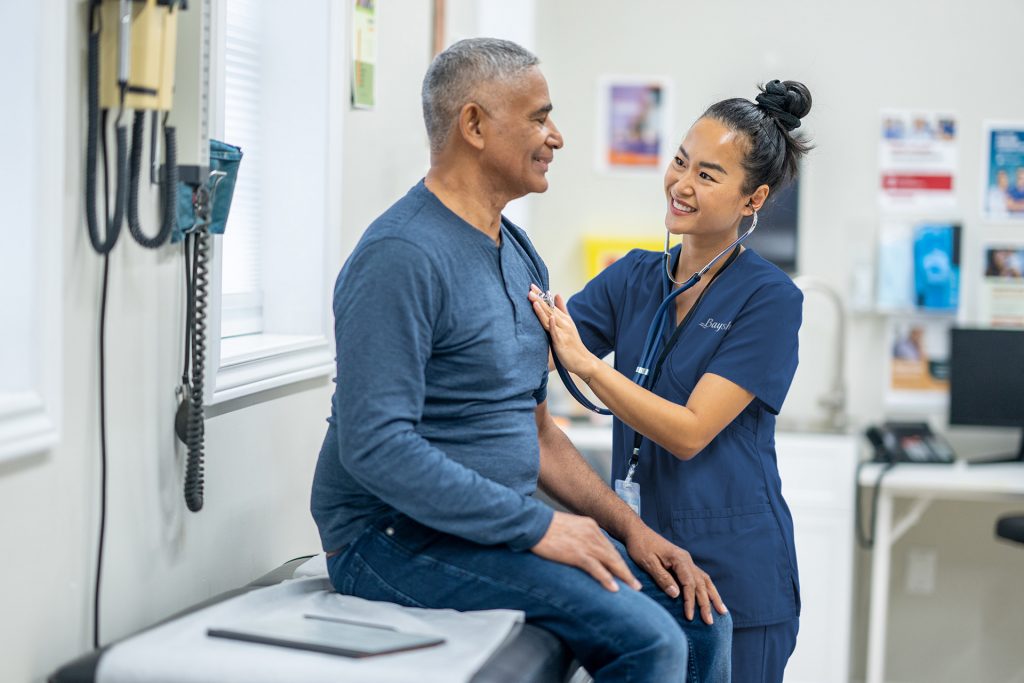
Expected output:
(25, 426)
(259, 362)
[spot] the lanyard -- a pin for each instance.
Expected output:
(649, 379)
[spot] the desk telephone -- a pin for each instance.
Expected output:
(910, 442)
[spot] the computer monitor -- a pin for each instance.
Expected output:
(776, 235)
(986, 380)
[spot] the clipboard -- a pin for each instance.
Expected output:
(326, 634)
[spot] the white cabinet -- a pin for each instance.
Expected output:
(818, 472)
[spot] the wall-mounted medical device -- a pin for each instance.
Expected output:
(147, 56)
(202, 212)
(131, 55)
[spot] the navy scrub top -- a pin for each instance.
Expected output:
(725, 505)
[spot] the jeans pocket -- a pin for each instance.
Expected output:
(369, 584)
(407, 534)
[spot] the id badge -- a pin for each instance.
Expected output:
(629, 492)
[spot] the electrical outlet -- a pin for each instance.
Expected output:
(922, 565)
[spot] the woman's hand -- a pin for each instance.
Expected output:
(565, 338)
(673, 569)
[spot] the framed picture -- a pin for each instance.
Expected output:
(633, 124)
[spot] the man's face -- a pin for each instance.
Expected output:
(520, 135)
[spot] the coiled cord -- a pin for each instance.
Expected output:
(195, 428)
(170, 183)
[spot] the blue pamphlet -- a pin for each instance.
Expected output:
(937, 267)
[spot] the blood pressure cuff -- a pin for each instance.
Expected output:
(225, 158)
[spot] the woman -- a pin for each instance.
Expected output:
(706, 460)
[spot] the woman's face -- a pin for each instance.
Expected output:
(704, 182)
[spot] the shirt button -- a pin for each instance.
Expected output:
(390, 531)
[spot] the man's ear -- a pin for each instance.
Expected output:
(757, 200)
(471, 124)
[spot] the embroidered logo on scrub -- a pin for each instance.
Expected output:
(712, 324)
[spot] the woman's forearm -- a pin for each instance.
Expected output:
(676, 428)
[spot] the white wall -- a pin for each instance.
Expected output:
(260, 452)
(856, 58)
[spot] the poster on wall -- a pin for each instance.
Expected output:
(599, 252)
(918, 366)
(1003, 181)
(918, 161)
(364, 54)
(632, 125)
(1002, 299)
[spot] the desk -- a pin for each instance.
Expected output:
(922, 484)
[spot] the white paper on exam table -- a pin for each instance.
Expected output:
(179, 651)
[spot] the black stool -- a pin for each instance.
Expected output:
(1011, 528)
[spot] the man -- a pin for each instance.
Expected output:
(440, 430)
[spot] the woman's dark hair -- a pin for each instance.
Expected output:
(773, 152)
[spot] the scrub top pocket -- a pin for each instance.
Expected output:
(743, 551)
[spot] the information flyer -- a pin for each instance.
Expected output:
(918, 361)
(918, 267)
(917, 160)
(1003, 183)
(1002, 300)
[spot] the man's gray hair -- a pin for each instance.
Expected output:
(456, 75)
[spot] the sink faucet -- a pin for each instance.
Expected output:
(834, 400)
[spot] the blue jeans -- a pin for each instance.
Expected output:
(622, 636)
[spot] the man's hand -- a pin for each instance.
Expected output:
(668, 564)
(578, 542)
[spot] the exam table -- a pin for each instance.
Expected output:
(530, 655)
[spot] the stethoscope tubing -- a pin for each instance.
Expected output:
(642, 373)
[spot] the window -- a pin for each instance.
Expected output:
(241, 277)
(31, 131)
(276, 102)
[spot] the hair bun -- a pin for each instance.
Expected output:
(786, 101)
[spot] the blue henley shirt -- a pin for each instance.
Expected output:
(441, 364)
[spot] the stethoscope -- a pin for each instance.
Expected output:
(655, 348)
(654, 342)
